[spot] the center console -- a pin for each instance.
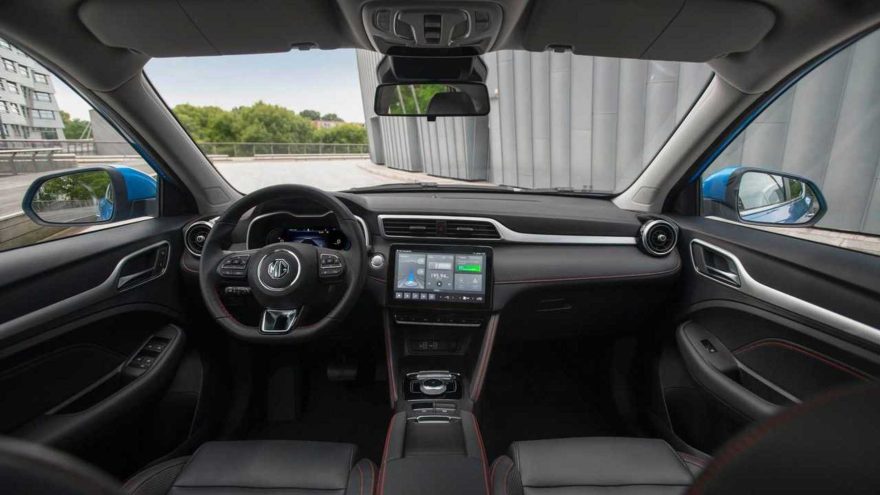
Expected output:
(439, 331)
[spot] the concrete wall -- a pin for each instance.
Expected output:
(397, 142)
(560, 120)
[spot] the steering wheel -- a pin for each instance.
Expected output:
(285, 278)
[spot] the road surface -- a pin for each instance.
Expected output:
(250, 175)
(330, 175)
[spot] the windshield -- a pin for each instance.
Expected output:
(557, 121)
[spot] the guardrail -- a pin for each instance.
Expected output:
(75, 146)
(255, 149)
(16, 161)
(82, 147)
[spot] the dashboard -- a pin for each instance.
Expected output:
(577, 261)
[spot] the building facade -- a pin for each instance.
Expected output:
(28, 108)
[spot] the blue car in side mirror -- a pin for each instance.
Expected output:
(141, 190)
(91, 196)
(763, 197)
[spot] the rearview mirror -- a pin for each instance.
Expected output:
(432, 100)
(90, 196)
(752, 195)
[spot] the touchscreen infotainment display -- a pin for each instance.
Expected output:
(440, 277)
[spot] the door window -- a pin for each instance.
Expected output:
(46, 128)
(824, 129)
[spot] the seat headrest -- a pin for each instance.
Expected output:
(829, 444)
(451, 104)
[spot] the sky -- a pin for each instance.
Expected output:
(322, 80)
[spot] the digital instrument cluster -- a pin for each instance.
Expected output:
(321, 236)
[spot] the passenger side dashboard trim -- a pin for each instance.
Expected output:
(509, 235)
(752, 287)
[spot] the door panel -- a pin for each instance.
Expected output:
(766, 321)
(92, 334)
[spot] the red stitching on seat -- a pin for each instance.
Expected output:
(692, 458)
(507, 475)
(494, 467)
(381, 482)
(482, 454)
(748, 440)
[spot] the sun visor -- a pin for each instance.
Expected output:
(170, 28)
(681, 30)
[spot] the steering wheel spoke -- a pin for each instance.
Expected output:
(280, 320)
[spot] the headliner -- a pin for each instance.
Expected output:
(750, 44)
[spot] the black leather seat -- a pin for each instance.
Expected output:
(593, 465)
(260, 467)
(217, 468)
(827, 445)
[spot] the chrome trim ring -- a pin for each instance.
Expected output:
(643, 236)
(295, 278)
(207, 223)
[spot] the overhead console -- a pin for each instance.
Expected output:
(468, 28)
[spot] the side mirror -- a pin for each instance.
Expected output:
(432, 100)
(763, 197)
(90, 196)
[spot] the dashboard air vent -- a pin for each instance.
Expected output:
(409, 227)
(439, 228)
(471, 229)
(658, 237)
(194, 237)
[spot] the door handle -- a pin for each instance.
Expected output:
(715, 264)
(142, 266)
(725, 275)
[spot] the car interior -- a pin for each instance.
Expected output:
(439, 340)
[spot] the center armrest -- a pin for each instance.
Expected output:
(434, 458)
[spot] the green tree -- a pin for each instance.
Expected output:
(73, 128)
(311, 114)
(413, 99)
(82, 186)
(343, 133)
(264, 123)
(331, 117)
(208, 123)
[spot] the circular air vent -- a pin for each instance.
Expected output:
(658, 237)
(195, 236)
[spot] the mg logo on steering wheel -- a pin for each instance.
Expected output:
(278, 268)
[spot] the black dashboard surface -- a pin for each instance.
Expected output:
(527, 213)
(607, 278)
